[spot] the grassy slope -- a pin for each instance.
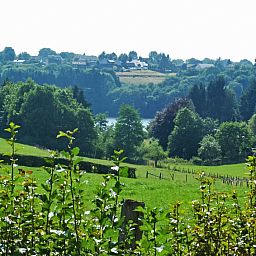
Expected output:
(22, 149)
(152, 191)
(138, 77)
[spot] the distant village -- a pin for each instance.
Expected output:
(89, 61)
(122, 63)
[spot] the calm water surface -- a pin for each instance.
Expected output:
(145, 121)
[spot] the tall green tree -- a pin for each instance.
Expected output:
(252, 124)
(104, 145)
(123, 57)
(163, 123)
(153, 57)
(132, 55)
(8, 54)
(24, 56)
(78, 95)
(44, 52)
(152, 150)
(128, 131)
(198, 95)
(164, 62)
(247, 101)
(221, 102)
(186, 135)
(234, 140)
(209, 150)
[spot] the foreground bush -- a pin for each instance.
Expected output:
(58, 222)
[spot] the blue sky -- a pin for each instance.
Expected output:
(181, 28)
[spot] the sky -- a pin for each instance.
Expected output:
(181, 28)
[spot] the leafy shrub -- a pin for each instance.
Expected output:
(196, 160)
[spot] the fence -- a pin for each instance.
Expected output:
(225, 179)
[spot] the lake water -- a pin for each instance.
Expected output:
(145, 121)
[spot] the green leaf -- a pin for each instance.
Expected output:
(78, 160)
(61, 134)
(43, 198)
(64, 153)
(140, 209)
(123, 172)
(8, 129)
(46, 187)
(75, 151)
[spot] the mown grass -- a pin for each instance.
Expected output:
(137, 77)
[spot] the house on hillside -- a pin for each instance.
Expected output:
(34, 60)
(90, 60)
(53, 59)
(19, 62)
(144, 59)
(202, 66)
(191, 66)
(84, 61)
(110, 64)
(179, 65)
(136, 64)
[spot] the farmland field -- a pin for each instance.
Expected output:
(175, 186)
(137, 77)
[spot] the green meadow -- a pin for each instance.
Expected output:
(153, 191)
(22, 149)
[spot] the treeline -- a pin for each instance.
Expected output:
(94, 83)
(105, 93)
(213, 138)
(44, 110)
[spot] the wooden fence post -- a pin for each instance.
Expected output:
(129, 215)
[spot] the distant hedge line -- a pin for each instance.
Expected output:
(38, 161)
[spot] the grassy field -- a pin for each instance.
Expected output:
(236, 170)
(137, 77)
(22, 149)
(152, 191)
(175, 186)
